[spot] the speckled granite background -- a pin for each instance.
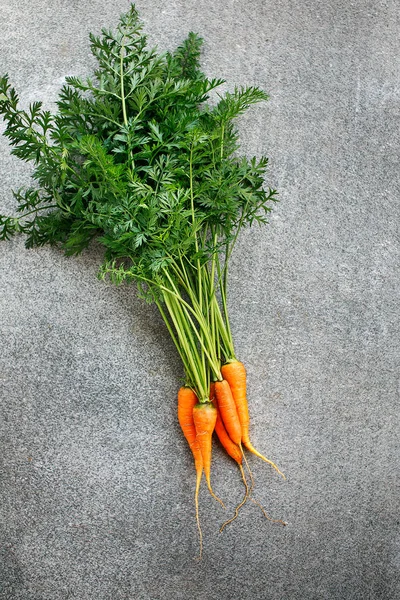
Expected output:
(96, 481)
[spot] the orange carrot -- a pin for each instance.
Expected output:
(235, 373)
(237, 454)
(234, 452)
(231, 448)
(227, 408)
(187, 399)
(204, 418)
(186, 402)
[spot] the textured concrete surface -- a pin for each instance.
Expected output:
(96, 481)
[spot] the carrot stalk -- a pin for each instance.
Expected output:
(235, 374)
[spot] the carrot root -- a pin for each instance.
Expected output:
(196, 501)
(266, 515)
(214, 495)
(248, 467)
(239, 506)
(251, 449)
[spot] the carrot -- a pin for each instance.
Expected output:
(204, 418)
(235, 373)
(231, 448)
(227, 408)
(237, 454)
(187, 399)
(186, 402)
(234, 452)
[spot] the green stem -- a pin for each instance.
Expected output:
(184, 330)
(225, 328)
(173, 336)
(193, 223)
(222, 140)
(225, 343)
(203, 335)
(31, 212)
(122, 54)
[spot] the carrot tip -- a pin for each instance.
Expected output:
(283, 523)
(251, 449)
(214, 495)
(239, 506)
(196, 500)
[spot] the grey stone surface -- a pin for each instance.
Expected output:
(96, 481)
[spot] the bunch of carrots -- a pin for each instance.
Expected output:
(221, 408)
(136, 159)
(226, 412)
